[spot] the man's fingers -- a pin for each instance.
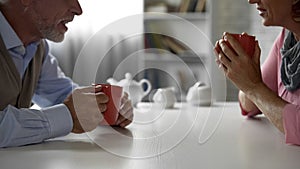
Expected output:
(124, 97)
(101, 97)
(102, 107)
(90, 89)
(126, 113)
(125, 123)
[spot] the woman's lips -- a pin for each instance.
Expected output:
(262, 12)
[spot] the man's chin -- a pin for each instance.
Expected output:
(56, 39)
(54, 36)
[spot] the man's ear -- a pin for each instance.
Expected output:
(26, 2)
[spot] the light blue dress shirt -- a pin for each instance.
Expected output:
(27, 126)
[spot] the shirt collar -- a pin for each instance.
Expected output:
(9, 36)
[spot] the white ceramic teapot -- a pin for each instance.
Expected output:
(199, 94)
(134, 89)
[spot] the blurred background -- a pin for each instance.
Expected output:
(169, 42)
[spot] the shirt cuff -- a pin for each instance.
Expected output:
(291, 123)
(60, 120)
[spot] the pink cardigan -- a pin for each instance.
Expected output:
(271, 74)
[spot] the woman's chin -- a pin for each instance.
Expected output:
(266, 23)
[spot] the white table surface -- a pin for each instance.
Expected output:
(186, 137)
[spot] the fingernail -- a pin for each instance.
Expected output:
(98, 86)
(225, 37)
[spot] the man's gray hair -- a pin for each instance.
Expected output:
(3, 1)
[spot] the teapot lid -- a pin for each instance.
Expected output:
(127, 81)
(128, 76)
(199, 84)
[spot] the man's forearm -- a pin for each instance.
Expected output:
(27, 126)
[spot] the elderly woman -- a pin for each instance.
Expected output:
(273, 90)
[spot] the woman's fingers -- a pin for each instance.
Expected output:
(223, 59)
(257, 53)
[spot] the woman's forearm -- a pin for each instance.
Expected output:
(268, 103)
(246, 103)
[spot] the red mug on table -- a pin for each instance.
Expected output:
(114, 94)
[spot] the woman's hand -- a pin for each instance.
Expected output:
(243, 70)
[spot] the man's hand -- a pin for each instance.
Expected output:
(86, 105)
(126, 112)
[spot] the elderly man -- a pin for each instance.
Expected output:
(29, 73)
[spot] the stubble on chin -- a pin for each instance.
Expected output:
(46, 31)
(52, 35)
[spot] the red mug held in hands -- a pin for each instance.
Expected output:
(246, 41)
(114, 94)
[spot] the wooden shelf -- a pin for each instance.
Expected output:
(163, 67)
(164, 57)
(152, 16)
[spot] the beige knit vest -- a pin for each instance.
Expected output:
(14, 90)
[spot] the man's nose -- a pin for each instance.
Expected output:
(76, 8)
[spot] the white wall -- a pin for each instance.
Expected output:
(265, 35)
